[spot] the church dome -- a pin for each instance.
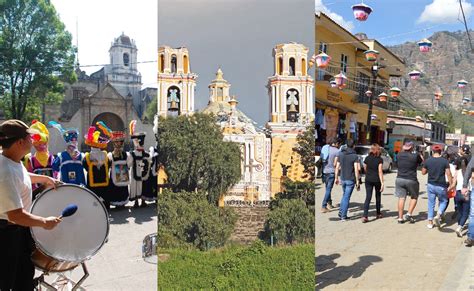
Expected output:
(124, 40)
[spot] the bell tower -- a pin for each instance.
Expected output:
(290, 88)
(176, 82)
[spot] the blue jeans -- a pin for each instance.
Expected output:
(347, 188)
(442, 195)
(470, 232)
(462, 206)
(329, 181)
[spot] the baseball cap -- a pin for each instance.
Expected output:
(466, 148)
(436, 147)
(408, 146)
(15, 129)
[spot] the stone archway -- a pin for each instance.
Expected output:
(115, 123)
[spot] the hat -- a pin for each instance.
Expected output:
(133, 133)
(93, 137)
(437, 148)
(15, 129)
(118, 136)
(408, 146)
(69, 134)
(43, 134)
(466, 148)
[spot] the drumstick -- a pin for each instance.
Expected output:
(69, 210)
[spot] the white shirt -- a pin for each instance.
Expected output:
(15, 187)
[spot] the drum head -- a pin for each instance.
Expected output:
(77, 237)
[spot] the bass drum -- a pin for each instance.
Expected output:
(78, 237)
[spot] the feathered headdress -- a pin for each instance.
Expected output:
(69, 134)
(133, 133)
(93, 137)
(42, 135)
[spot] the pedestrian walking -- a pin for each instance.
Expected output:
(437, 168)
(373, 180)
(347, 170)
(461, 201)
(16, 268)
(470, 195)
(406, 183)
(329, 174)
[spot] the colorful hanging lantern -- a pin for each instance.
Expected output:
(462, 83)
(340, 80)
(383, 97)
(373, 116)
(464, 112)
(333, 84)
(361, 11)
(371, 55)
(425, 45)
(322, 60)
(395, 92)
(368, 93)
(466, 100)
(401, 112)
(471, 112)
(414, 75)
(431, 116)
(418, 118)
(438, 95)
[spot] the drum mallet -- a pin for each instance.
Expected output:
(69, 210)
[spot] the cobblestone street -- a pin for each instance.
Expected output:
(383, 254)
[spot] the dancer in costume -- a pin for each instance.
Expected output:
(150, 185)
(139, 164)
(41, 162)
(96, 162)
(119, 171)
(69, 162)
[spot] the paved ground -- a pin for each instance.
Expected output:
(119, 265)
(384, 255)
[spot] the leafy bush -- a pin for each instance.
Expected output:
(186, 218)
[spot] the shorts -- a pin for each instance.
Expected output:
(404, 187)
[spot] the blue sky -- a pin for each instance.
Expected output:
(397, 21)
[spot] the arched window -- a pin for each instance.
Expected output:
(174, 63)
(162, 63)
(303, 67)
(185, 64)
(292, 105)
(126, 59)
(280, 66)
(292, 66)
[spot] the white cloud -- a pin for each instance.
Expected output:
(319, 6)
(445, 11)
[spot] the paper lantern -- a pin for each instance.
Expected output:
(361, 11)
(368, 93)
(462, 83)
(464, 112)
(431, 116)
(383, 97)
(425, 45)
(371, 55)
(322, 60)
(340, 80)
(418, 118)
(395, 92)
(373, 116)
(438, 95)
(471, 112)
(333, 84)
(414, 75)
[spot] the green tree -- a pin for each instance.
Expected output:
(305, 148)
(290, 221)
(196, 157)
(297, 190)
(187, 218)
(152, 109)
(36, 53)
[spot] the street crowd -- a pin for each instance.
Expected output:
(449, 170)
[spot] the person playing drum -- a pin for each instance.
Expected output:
(119, 172)
(16, 268)
(41, 162)
(69, 162)
(96, 162)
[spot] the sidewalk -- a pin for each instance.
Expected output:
(383, 254)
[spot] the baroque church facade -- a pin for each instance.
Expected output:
(267, 157)
(112, 94)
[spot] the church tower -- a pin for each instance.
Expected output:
(122, 73)
(290, 90)
(176, 82)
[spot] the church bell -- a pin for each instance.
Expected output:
(173, 106)
(292, 108)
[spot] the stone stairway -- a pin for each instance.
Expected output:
(250, 222)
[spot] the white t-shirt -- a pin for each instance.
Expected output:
(15, 187)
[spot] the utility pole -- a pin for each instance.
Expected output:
(375, 69)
